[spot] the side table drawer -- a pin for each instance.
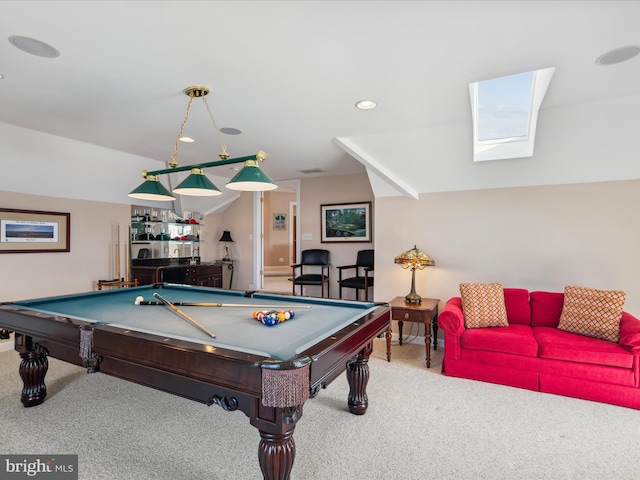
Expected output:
(406, 315)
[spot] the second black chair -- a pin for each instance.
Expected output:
(362, 279)
(312, 260)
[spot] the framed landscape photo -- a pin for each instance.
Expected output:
(30, 231)
(346, 222)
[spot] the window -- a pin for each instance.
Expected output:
(505, 114)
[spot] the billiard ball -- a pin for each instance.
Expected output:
(139, 299)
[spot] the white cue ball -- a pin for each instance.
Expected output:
(139, 299)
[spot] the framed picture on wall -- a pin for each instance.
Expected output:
(279, 221)
(346, 222)
(30, 231)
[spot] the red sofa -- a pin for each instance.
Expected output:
(532, 353)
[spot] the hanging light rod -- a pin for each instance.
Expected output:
(250, 178)
(216, 163)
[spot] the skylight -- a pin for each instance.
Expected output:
(505, 114)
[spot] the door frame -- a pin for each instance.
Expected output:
(258, 231)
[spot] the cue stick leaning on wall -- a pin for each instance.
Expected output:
(184, 315)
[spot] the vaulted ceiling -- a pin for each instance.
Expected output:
(288, 75)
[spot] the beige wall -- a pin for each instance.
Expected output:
(276, 242)
(92, 256)
(317, 191)
(238, 217)
(532, 237)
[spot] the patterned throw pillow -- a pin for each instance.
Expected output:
(591, 312)
(483, 305)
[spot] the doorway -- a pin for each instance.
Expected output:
(279, 239)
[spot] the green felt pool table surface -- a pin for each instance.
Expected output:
(234, 327)
(267, 372)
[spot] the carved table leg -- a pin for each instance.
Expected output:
(388, 338)
(276, 454)
(358, 377)
(427, 342)
(33, 368)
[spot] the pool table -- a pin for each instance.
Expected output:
(267, 372)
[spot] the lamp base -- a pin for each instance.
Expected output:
(413, 298)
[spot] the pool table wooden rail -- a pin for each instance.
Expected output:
(205, 373)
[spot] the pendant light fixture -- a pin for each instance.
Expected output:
(250, 178)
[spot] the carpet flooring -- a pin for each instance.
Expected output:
(419, 425)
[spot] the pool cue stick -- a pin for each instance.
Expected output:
(205, 304)
(126, 262)
(184, 315)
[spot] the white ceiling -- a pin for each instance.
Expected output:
(288, 73)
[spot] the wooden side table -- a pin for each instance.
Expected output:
(424, 312)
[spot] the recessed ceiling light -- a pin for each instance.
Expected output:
(186, 139)
(618, 55)
(230, 131)
(366, 104)
(1, 76)
(33, 46)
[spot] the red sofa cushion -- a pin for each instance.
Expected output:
(546, 308)
(630, 332)
(516, 339)
(518, 309)
(560, 345)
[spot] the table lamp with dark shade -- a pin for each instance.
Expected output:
(226, 238)
(414, 259)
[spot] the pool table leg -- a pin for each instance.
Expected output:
(358, 378)
(33, 368)
(276, 453)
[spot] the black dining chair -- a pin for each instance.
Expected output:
(363, 278)
(316, 261)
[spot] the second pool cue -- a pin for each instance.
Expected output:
(206, 304)
(184, 315)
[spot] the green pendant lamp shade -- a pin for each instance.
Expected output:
(251, 178)
(197, 184)
(152, 189)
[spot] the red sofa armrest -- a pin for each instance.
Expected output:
(451, 318)
(630, 332)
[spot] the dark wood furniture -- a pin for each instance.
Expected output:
(425, 312)
(117, 283)
(202, 275)
(313, 259)
(363, 278)
(227, 273)
(266, 372)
